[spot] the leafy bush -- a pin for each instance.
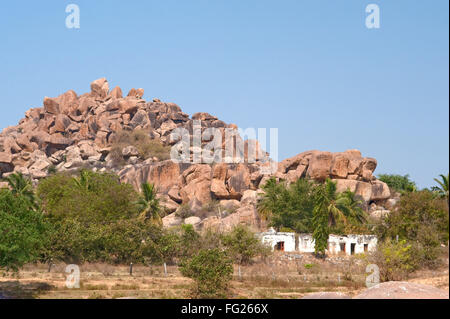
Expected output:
(22, 231)
(96, 218)
(421, 219)
(190, 241)
(398, 183)
(396, 260)
(308, 207)
(212, 270)
(243, 245)
(91, 196)
(118, 242)
(288, 206)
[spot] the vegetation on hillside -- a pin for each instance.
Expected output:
(22, 230)
(308, 207)
(442, 188)
(141, 140)
(93, 217)
(398, 183)
(410, 237)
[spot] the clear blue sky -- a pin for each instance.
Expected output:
(310, 68)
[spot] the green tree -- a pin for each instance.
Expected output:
(270, 200)
(331, 209)
(21, 186)
(398, 183)
(89, 197)
(116, 242)
(288, 206)
(423, 221)
(149, 204)
(95, 218)
(337, 207)
(321, 230)
(305, 207)
(22, 230)
(190, 241)
(354, 204)
(396, 260)
(442, 189)
(211, 270)
(243, 245)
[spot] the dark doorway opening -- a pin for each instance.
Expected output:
(280, 246)
(352, 248)
(342, 247)
(366, 248)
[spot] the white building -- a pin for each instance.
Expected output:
(292, 242)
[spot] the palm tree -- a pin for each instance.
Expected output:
(269, 200)
(21, 186)
(442, 189)
(149, 204)
(331, 207)
(336, 206)
(357, 213)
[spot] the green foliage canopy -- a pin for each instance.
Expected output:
(398, 183)
(212, 270)
(22, 230)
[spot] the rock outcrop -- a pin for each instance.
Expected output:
(73, 131)
(348, 169)
(402, 290)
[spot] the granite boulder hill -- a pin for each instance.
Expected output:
(73, 131)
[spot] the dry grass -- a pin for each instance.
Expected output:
(146, 146)
(274, 277)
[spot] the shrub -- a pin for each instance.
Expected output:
(212, 270)
(421, 219)
(146, 146)
(243, 245)
(398, 183)
(118, 242)
(396, 260)
(416, 210)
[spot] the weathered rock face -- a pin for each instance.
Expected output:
(246, 215)
(73, 131)
(348, 169)
(192, 184)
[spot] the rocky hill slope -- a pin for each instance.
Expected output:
(70, 132)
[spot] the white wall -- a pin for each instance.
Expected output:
(306, 242)
(272, 239)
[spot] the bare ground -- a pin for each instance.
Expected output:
(281, 276)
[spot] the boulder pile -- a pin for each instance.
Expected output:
(73, 131)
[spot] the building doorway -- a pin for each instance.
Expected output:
(366, 248)
(342, 247)
(352, 248)
(280, 246)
